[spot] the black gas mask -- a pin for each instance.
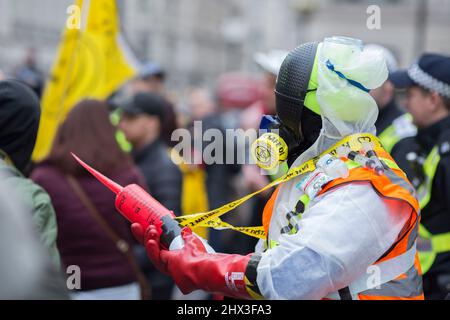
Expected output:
(295, 128)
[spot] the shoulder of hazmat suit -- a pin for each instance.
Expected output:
(344, 237)
(345, 230)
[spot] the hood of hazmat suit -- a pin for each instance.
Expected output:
(329, 81)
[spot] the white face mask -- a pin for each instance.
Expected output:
(343, 85)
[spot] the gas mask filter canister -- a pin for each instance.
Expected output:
(272, 147)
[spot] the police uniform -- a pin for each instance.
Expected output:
(434, 196)
(430, 158)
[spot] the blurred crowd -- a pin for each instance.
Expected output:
(128, 137)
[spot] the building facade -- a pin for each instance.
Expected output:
(197, 40)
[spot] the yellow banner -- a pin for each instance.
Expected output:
(211, 218)
(91, 62)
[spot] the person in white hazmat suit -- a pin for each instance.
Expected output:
(343, 224)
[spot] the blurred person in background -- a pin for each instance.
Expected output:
(394, 127)
(92, 234)
(19, 122)
(26, 270)
(235, 92)
(203, 108)
(201, 104)
(141, 121)
(29, 72)
(151, 79)
(206, 115)
(142, 118)
(427, 83)
(269, 62)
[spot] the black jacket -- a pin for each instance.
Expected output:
(164, 178)
(436, 214)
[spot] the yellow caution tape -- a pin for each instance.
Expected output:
(218, 224)
(211, 218)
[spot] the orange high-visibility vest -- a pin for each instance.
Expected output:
(401, 275)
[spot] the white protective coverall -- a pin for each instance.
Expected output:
(345, 230)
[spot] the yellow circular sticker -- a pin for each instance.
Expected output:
(269, 150)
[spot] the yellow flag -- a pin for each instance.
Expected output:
(92, 62)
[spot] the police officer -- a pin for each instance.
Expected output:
(428, 100)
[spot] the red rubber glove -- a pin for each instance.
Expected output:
(192, 268)
(150, 239)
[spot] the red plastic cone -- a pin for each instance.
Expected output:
(113, 186)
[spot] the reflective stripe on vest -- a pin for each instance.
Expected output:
(402, 274)
(294, 215)
(400, 128)
(429, 167)
(407, 286)
(291, 216)
(371, 282)
(430, 244)
(440, 243)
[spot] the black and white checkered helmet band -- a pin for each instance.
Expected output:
(424, 79)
